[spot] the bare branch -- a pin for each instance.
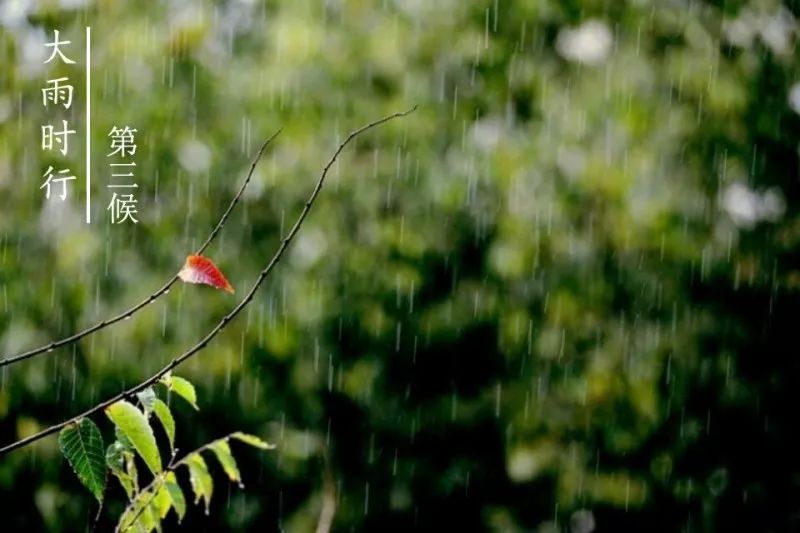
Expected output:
(328, 510)
(153, 297)
(225, 319)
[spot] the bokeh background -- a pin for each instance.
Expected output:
(560, 296)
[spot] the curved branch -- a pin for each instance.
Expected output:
(225, 319)
(153, 297)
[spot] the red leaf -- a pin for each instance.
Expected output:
(199, 269)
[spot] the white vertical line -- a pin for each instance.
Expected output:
(88, 125)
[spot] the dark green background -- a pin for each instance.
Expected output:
(561, 292)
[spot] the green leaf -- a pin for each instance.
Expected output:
(147, 398)
(141, 514)
(252, 440)
(130, 468)
(82, 444)
(126, 482)
(122, 439)
(115, 461)
(225, 458)
(175, 494)
(132, 422)
(182, 388)
(129, 520)
(152, 511)
(164, 416)
(154, 519)
(201, 481)
(162, 500)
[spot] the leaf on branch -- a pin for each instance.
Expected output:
(201, 481)
(141, 514)
(123, 440)
(252, 440)
(153, 518)
(115, 461)
(162, 501)
(200, 269)
(130, 468)
(164, 415)
(147, 398)
(133, 424)
(82, 444)
(175, 495)
(181, 387)
(225, 458)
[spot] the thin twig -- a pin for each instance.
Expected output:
(160, 477)
(225, 319)
(328, 509)
(153, 297)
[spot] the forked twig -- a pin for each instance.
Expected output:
(225, 319)
(153, 297)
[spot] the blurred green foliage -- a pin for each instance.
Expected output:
(561, 295)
